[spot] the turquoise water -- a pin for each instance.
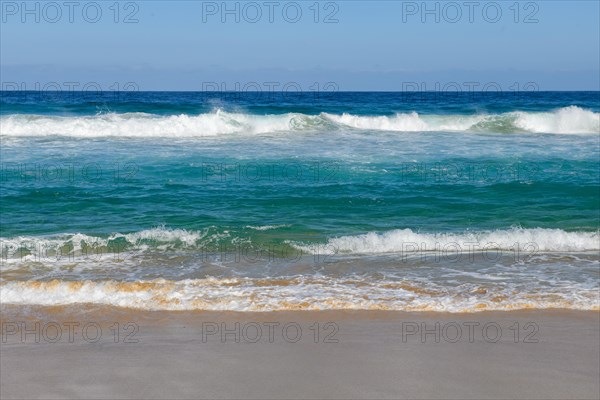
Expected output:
(383, 189)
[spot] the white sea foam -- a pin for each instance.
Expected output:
(408, 241)
(66, 245)
(568, 120)
(147, 125)
(77, 247)
(297, 293)
(411, 122)
(267, 227)
(565, 120)
(492, 288)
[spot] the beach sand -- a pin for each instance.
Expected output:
(336, 355)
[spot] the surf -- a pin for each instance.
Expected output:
(566, 120)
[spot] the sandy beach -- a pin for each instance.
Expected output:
(243, 200)
(119, 353)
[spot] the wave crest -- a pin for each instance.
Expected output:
(568, 120)
(407, 241)
(148, 125)
(565, 120)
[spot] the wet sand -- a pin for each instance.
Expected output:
(549, 354)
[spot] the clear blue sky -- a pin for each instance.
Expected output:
(375, 45)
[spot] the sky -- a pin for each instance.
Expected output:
(324, 45)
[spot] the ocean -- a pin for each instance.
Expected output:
(456, 202)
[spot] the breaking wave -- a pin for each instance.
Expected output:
(162, 239)
(406, 240)
(567, 120)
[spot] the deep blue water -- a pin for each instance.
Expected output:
(360, 103)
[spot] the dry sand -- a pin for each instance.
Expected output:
(356, 355)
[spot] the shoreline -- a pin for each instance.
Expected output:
(538, 354)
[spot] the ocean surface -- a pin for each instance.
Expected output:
(262, 201)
